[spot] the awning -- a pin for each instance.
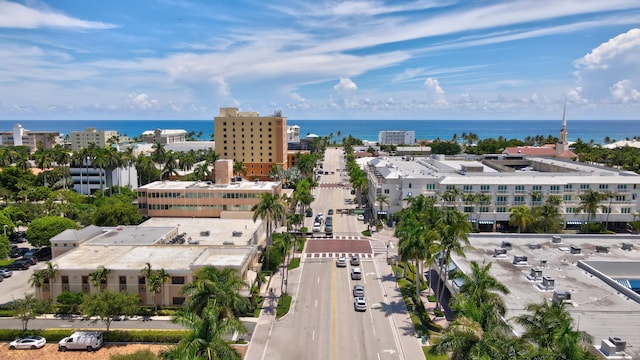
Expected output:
(485, 222)
(572, 222)
(382, 212)
(358, 211)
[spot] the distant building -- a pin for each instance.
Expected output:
(397, 137)
(101, 138)
(259, 142)
(293, 134)
(34, 140)
(87, 179)
(226, 198)
(167, 136)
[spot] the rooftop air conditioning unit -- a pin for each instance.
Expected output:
(561, 296)
(520, 260)
(556, 239)
(535, 275)
(627, 246)
(602, 249)
(575, 249)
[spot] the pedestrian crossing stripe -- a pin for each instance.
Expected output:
(336, 255)
(344, 237)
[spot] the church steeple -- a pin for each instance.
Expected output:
(563, 143)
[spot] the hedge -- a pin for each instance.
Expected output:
(141, 336)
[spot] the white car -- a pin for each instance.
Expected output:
(360, 217)
(341, 262)
(29, 342)
(316, 227)
(360, 304)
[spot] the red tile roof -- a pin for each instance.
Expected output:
(543, 151)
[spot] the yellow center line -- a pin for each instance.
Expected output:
(334, 327)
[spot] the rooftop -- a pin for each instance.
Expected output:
(210, 231)
(205, 185)
(596, 307)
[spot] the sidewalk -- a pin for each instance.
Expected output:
(262, 332)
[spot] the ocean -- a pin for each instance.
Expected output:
(585, 130)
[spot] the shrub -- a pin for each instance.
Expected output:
(294, 264)
(284, 302)
(144, 354)
(366, 233)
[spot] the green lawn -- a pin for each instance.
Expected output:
(429, 356)
(6, 262)
(284, 302)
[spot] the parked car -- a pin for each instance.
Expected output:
(82, 340)
(5, 273)
(43, 254)
(18, 252)
(360, 304)
(309, 213)
(30, 342)
(20, 264)
(360, 217)
(316, 227)
(358, 291)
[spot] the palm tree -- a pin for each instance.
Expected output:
(99, 278)
(44, 160)
(589, 203)
(128, 159)
(159, 153)
(270, 209)
(202, 172)
(284, 243)
(360, 183)
(62, 158)
(51, 272)
(610, 195)
(219, 286)
(205, 339)
(382, 200)
(520, 217)
(155, 280)
(170, 167)
(550, 326)
(239, 169)
(100, 161)
(454, 229)
(451, 195)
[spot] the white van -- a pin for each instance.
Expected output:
(356, 273)
(82, 340)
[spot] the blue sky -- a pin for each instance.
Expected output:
(422, 59)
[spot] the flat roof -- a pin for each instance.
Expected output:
(130, 235)
(221, 231)
(596, 307)
(203, 185)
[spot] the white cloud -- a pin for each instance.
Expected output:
(295, 96)
(609, 70)
(345, 85)
(623, 92)
(143, 102)
(434, 92)
(15, 15)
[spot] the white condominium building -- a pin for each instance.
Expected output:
(508, 181)
(397, 137)
(100, 138)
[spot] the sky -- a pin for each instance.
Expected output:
(361, 59)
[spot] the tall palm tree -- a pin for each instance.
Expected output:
(451, 195)
(99, 278)
(170, 167)
(44, 160)
(128, 159)
(62, 158)
(205, 339)
(239, 168)
(219, 286)
(159, 153)
(589, 204)
(454, 229)
(100, 161)
(270, 209)
(284, 243)
(521, 217)
(360, 182)
(383, 200)
(155, 281)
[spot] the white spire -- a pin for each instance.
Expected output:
(564, 115)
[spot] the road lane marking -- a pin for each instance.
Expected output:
(316, 302)
(392, 322)
(334, 328)
(313, 335)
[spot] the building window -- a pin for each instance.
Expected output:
(519, 189)
(621, 197)
(537, 187)
(502, 188)
(501, 209)
(177, 280)
(65, 279)
(178, 301)
(622, 186)
(603, 186)
(625, 210)
(122, 280)
(431, 186)
(554, 188)
(518, 200)
(584, 186)
(467, 188)
(568, 187)
(386, 191)
(485, 188)
(566, 198)
(142, 280)
(468, 209)
(484, 209)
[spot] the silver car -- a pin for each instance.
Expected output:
(29, 342)
(358, 291)
(6, 273)
(360, 304)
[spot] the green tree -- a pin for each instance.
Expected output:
(28, 308)
(114, 212)
(41, 230)
(99, 278)
(44, 161)
(453, 228)
(205, 340)
(270, 209)
(108, 305)
(219, 286)
(155, 281)
(521, 217)
(69, 302)
(239, 168)
(589, 204)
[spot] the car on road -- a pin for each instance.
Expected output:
(360, 217)
(356, 273)
(360, 304)
(5, 273)
(30, 342)
(20, 264)
(355, 261)
(341, 262)
(358, 291)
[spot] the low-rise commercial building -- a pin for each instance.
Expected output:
(166, 136)
(99, 138)
(19, 136)
(397, 137)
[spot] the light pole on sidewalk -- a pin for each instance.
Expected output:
(387, 244)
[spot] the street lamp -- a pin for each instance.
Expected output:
(387, 244)
(5, 230)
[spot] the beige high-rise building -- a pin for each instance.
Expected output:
(82, 139)
(259, 142)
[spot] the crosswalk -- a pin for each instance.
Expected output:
(331, 255)
(346, 237)
(378, 246)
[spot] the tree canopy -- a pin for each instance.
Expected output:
(41, 230)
